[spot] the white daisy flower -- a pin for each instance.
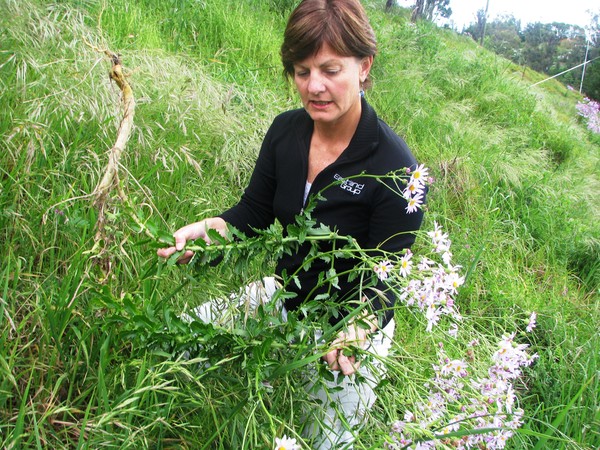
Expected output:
(286, 443)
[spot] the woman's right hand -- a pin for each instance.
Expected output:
(192, 232)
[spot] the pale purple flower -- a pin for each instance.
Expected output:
(451, 427)
(440, 241)
(433, 316)
(383, 269)
(516, 419)
(425, 264)
(447, 257)
(420, 174)
(398, 426)
(413, 187)
(453, 281)
(532, 322)
(498, 439)
(455, 367)
(406, 264)
(437, 235)
(453, 331)
(414, 203)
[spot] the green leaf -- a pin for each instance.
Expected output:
(19, 425)
(333, 278)
(172, 260)
(215, 237)
(165, 238)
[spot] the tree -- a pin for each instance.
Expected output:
(504, 38)
(427, 9)
(541, 41)
(475, 30)
(569, 54)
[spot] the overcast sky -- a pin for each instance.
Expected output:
(545, 11)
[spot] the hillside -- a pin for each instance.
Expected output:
(91, 351)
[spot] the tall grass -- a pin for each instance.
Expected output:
(516, 178)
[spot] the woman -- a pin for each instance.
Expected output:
(328, 51)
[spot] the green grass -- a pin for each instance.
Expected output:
(516, 182)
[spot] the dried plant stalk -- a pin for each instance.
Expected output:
(110, 180)
(110, 175)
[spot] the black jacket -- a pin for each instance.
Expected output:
(362, 207)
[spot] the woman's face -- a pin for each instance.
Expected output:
(329, 85)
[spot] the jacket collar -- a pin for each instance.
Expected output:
(366, 136)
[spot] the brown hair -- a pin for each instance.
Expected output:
(342, 24)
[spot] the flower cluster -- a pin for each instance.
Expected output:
(434, 290)
(474, 405)
(414, 192)
(590, 110)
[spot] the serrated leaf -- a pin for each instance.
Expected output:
(215, 236)
(296, 281)
(172, 260)
(333, 278)
(165, 238)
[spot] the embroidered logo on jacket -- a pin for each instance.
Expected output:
(348, 185)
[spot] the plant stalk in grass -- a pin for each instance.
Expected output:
(110, 178)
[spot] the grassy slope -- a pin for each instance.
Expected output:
(516, 175)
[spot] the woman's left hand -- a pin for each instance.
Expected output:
(342, 356)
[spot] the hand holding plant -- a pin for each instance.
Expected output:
(191, 232)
